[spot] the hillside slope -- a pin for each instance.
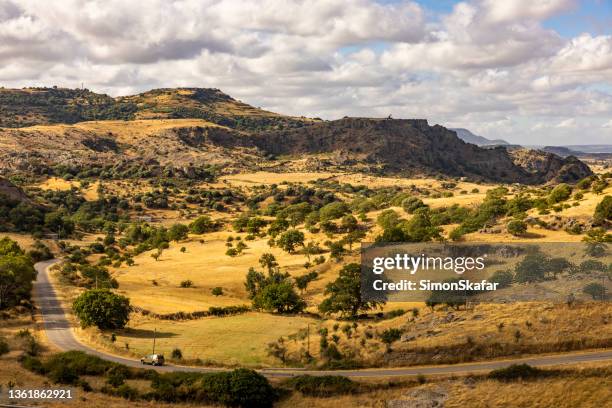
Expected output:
(11, 191)
(43, 106)
(412, 146)
(187, 131)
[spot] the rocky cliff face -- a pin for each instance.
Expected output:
(412, 146)
(549, 167)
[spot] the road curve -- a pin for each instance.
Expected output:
(59, 332)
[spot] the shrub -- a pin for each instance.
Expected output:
(33, 364)
(202, 225)
(117, 375)
(279, 297)
(333, 211)
(390, 336)
(411, 204)
(515, 372)
(396, 313)
(63, 375)
(241, 388)
(291, 239)
(596, 290)
(186, 284)
(517, 227)
(603, 211)
(177, 354)
(560, 193)
(217, 291)
(322, 386)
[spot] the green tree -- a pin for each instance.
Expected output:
(102, 308)
(603, 211)
(333, 211)
(178, 232)
(560, 193)
(268, 261)
(532, 268)
(410, 204)
(344, 294)
(16, 275)
(517, 227)
(202, 225)
(388, 219)
(290, 240)
(279, 297)
(596, 290)
(420, 228)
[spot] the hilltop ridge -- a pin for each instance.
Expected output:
(186, 132)
(44, 106)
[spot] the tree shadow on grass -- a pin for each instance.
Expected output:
(146, 334)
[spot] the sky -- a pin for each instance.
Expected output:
(535, 72)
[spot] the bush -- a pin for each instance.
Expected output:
(117, 375)
(390, 336)
(82, 363)
(560, 193)
(322, 386)
(177, 354)
(186, 284)
(63, 375)
(202, 225)
(217, 291)
(241, 388)
(517, 227)
(411, 204)
(102, 308)
(333, 211)
(33, 364)
(279, 297)
(596, 290)
(515, 372)
(603, 211)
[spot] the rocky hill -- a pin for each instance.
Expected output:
(191, 132)
(43, 106)
(412, 146)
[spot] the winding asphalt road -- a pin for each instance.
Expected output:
(59, 332)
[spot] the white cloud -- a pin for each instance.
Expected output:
(567, 123)
(491, 66)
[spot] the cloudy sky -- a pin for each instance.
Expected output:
(529, 71)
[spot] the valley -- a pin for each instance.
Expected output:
(229, 230)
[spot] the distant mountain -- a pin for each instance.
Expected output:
(470, 137)
(562, 151)
(601, 148)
